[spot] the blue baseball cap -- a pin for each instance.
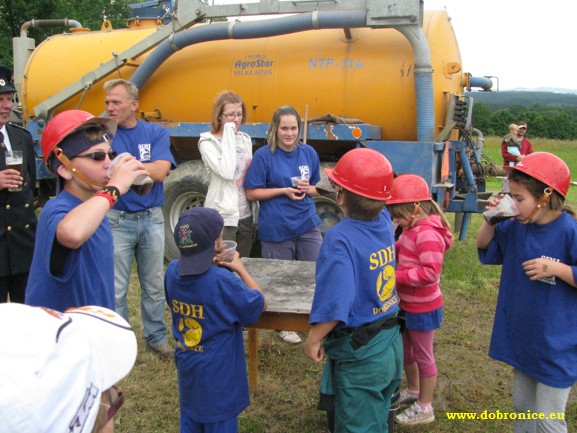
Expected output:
(195, 235)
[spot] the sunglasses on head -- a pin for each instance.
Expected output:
(99, 155)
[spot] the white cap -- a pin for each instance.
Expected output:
(54, 366)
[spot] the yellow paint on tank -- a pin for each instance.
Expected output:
(369, 77)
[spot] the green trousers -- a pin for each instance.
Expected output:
(362, 381)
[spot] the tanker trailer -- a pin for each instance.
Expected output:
(395, 70)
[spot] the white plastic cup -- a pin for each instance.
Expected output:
(228, 252)
(141, 185)
(295, 181)
(505, 209)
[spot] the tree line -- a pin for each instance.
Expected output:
(90, 13)
(552, 122)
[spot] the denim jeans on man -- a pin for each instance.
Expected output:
(140, 235)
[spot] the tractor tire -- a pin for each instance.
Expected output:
(329, 211)
(327, 207)
(184, 188)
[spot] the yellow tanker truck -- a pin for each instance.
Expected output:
(376, 73)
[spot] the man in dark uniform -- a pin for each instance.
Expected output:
(17, 217)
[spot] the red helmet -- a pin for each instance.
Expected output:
(409, 188)
(547, 168)
(365, 172)
(66, 123)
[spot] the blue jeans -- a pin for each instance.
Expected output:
(140, 235)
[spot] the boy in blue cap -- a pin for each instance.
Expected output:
(209, 306)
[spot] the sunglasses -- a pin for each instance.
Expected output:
(99, 155)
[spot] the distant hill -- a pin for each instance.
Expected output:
(507, 98)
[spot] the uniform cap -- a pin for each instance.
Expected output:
(5, 80)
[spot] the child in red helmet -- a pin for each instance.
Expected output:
(354, 311)
(535, 327)
(421, 247)
(73, 263)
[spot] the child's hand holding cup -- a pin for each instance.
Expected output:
(228, 251)
(504, 209)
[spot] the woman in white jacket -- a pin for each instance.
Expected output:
(227, 153)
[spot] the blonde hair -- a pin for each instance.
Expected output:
(513, 127)
(285, 110)
(130, 88)
(429, 207)
(222, 99)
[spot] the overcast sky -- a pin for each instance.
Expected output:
(525, 43)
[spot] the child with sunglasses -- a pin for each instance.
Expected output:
(73, 263)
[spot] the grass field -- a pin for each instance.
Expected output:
(288, 382)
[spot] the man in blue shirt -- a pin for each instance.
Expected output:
(137, 221)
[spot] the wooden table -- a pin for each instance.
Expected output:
(289, 288)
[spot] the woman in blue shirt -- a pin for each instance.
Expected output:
(281, 177)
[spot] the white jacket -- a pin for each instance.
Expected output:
(219, 157)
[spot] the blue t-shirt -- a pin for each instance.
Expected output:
(355, 273)
(280, 218)
(88, 277)
(148, 142)
(208, 312)
(535, 328)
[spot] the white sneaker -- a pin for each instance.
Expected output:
(289, 337)
(406, 398)
(415, 414)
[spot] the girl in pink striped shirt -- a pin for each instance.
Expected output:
(421, 247)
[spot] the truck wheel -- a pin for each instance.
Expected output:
(185, 188)
(329, 211)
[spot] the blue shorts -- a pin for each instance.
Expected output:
(423, 321)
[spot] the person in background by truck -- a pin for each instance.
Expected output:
(354, 310)
(73, 255)
(512, 142)
(17, 217)
(227, 153)
(281, 177)
(137, 221)
(513, 154)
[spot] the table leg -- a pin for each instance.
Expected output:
(253, 359)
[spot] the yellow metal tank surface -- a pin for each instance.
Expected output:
(368, 77)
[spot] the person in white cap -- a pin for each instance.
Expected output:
(59, 369)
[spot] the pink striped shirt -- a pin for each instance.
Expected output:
(420, 253)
